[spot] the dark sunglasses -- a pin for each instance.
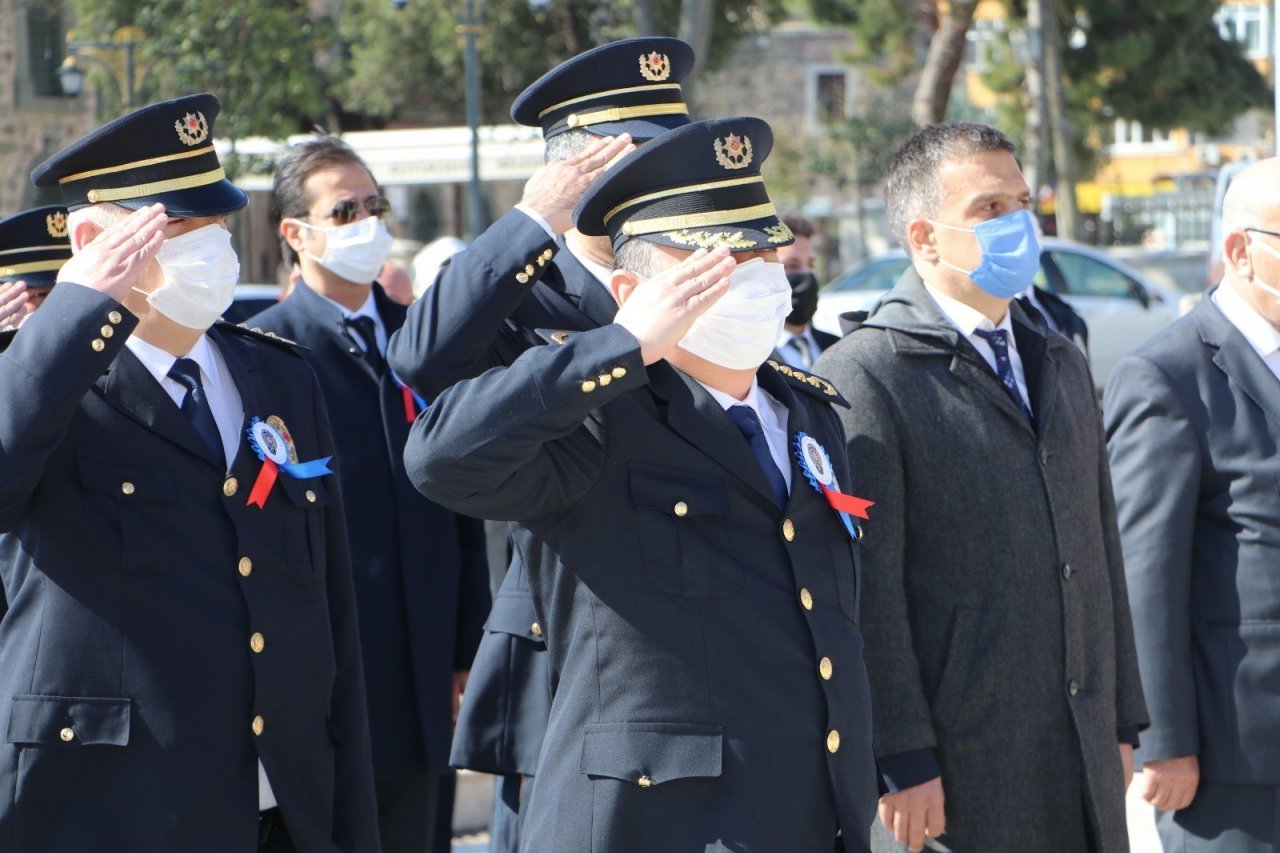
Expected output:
(348, 210)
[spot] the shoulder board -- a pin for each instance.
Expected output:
(807, 382)
(6, 338)
(554, 336)
(259, 335)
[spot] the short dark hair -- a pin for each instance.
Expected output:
(913, 188)
(289, 197)
(799, 225)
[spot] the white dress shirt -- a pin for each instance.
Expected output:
(228, 413)
(368, 309)
(968, 319)
(789, 353)
(1261, 335)
(773, 419)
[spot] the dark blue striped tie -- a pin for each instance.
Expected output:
(748, 423)
(195, 406)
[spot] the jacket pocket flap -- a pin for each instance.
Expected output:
(658, 752)
(121, 478)
(69, 720)
(677, 492)
(513, 614)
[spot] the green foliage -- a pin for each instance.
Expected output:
(884, 34)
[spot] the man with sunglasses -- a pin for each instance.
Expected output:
(532, 270)
(1193, 421)
(420, 575)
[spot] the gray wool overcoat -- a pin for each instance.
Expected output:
(994, 610)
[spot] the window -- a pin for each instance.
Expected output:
(829, 97)
(1084, 276)
(1131, 134)
(44, 50)
(984, 46)
(1249, 24)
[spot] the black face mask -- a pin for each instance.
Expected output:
(804, 297)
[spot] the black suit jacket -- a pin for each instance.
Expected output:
(155, 613)
(420, 574)
(1193, 426)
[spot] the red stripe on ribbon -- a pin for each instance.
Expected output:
(410, 411)
(262, 485)
(847, 503)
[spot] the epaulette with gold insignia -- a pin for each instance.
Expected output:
(554, 336)
(815, 385)
(259, 335)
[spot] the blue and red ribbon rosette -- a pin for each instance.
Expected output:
(816, 466)
(271, 441)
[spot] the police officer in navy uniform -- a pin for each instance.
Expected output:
(180, 666)
(532, 270)
(33, 247)
(688, 526)
(420, 573)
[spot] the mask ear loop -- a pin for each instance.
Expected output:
(1258, 279)
(943, 260)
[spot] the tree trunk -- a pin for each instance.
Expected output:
(1035, 150)
(946, 50)
(695, 28)
(646, 24)
(1059, 126)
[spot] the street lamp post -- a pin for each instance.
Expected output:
(123, 66)
(470, 31)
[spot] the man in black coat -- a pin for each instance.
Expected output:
(180, 667)
(420, 576)
(1193, 421)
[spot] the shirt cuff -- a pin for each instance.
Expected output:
(908, 769)
(1127, 734)
(532, 214)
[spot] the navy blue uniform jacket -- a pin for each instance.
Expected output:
(137, 574)
(480, 314)
(709, 686)
(420, 575)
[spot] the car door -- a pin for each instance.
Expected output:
(1120, 311)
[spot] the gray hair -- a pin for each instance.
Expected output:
(637, 256)
(567, 145)
(913, 189)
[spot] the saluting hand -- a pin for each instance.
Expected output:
(660, 310)
(555, 188)
(13, 304)
(914, 814)
(112, 261)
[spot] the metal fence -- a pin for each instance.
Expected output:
(1168, 220)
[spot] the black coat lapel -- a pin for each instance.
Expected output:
(1039, 363)
(131, 388)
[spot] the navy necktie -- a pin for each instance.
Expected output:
(1004, 367)
(363, 328)
(195, 405)
(748, 423)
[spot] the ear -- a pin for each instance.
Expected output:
(1235, 254)
(291, 231)
(920, 239)
(82, 234)
(621, 284)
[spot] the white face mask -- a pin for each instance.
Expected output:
(1275, 253)
(742, 327)
(200, 274)
(355, 251)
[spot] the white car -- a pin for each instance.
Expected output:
(1121, 306)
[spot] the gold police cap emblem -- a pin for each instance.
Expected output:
(56, 223)
(192, 128)
(655, 67)
(733, 152)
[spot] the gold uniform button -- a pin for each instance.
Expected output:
(311, 496)
(546, 254)
(644, 782)
(824, 669)
(522, 277)
(126, 487)
(681, 509)
(604, 379)
(788, 529)
(98, 345)
(619, 372)
(106, 331)
(257, 642)
(245, 566)
(588, 386)
(115, 318)
(259, 723)
(806, 598)
(833, 741)
(528, 269)
(68, 734)
(229, 486)
(535, 629)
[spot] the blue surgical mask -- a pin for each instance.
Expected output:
(1010, 247)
